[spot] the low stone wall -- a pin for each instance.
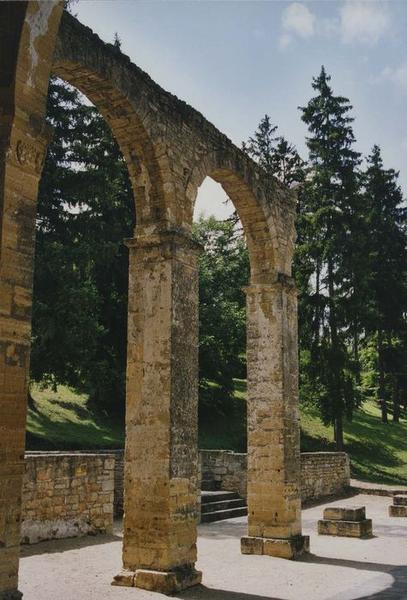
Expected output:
(322, 473)
(78, 493)
(66, 495)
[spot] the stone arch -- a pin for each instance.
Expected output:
(91, 66)
(265, 208)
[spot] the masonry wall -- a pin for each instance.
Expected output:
(66, 495)
(322, 473)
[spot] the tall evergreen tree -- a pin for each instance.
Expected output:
(331, 200)
(387, 275)
(85, 210)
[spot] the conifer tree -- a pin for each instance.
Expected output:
(331, 202)
(387, 276)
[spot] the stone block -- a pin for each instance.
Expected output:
(398, 511)
(164, 582)
(356, 529)
(400, 500)
(290, 548)
(349, 513)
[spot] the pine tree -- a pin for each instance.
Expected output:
(387, 269)
(331, 201)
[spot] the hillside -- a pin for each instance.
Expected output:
(61, 420)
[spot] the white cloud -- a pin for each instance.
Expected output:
(298, 19)
(363, 21)
(284, 40)
(397, 75)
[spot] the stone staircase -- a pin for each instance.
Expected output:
(218, 505)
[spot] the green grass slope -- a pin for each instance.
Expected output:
(62, 420)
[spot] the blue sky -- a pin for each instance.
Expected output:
(234, 61)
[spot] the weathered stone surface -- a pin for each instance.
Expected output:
(280, 548)
(358, 529)
(27, 38)
(348, 513)
(66, 495)
(322, 473)
(400, 500)
(398, 511)
(169, 150)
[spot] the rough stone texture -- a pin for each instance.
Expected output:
(280, 548)
(358, 529)
(169, 149)
(397, 511)
(66, 495)
(323, 474)
(349, 513)
(27, 39)
(399, 507)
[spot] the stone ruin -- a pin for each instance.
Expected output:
(169, 149)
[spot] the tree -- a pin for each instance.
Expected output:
(223, 271)
(331, 201)
(275, 154)
(85, 210)
(387, 275)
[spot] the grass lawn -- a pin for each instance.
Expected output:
(61, 420)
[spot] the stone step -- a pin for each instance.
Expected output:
(222, 505)
(348, 513)
(221, 515)
(207, 497)
(400, 500)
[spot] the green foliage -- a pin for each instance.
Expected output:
(329, 227)
(85, 210)
(223, 271)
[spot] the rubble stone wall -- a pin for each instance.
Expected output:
(322, 473)
(66, 495)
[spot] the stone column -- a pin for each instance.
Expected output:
(273, 486)
(23, 153)
(161, 456)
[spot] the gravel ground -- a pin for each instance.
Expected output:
(336, 569)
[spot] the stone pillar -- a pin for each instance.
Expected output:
(161, 456)
(23, 153)
(274, 502)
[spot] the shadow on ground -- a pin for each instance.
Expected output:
(64, 545)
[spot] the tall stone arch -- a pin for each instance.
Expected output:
(169, 149)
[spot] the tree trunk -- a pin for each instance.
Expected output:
(396, 400)
(337, 400)
(381, 390)
(338, 434)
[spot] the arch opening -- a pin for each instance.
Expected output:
(224, 271)
(79, 321)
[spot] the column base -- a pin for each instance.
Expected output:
(11, 595)
(356, 529)
(397, 511)
(165, 582)
(290, 548)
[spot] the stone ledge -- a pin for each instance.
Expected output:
(164, 582)
(290, 548)
(356, 529)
